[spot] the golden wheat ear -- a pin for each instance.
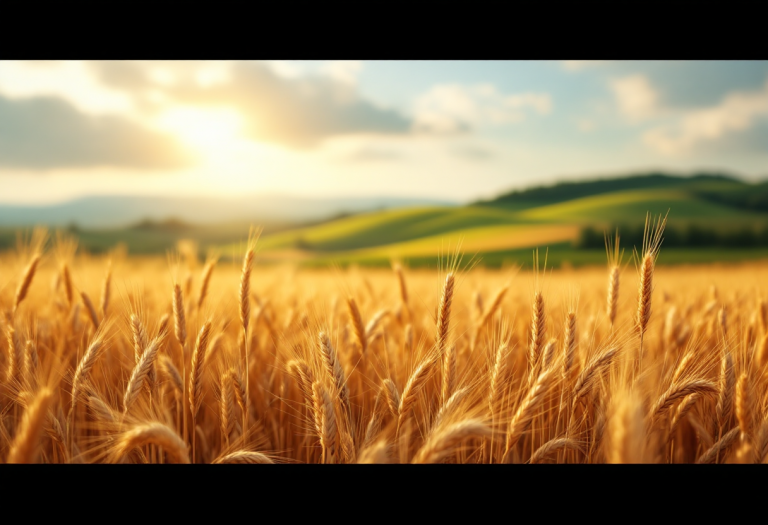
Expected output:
(205, 278)
(615, 256)
(413, 387)
(141, 373)
(24, 448)
(652, 238)
(527, 410)
(244, 457)
(179, 316)
(444, 313)
(357, 324)
(198, 361)
(443, 443)
(154, 433)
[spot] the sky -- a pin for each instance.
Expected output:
(448, 130)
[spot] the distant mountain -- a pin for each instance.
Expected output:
(111, 211)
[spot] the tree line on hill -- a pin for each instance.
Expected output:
(738, 194)
(679, 236)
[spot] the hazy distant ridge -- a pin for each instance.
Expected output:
(118, 211)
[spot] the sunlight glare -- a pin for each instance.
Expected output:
(208, 129)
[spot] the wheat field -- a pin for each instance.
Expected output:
(148, 360)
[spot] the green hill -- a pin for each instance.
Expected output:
(711, 217)
(569, 190)
(631, 206)
(386, 227)
(503, 229)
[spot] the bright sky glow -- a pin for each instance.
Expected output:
(445, 130)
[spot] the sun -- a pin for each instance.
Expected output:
(208, 130)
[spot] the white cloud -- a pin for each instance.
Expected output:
(276, 105)
(344, 71)
(636, 97)
(285, 68)
(578, 65)
(736, 112)
(162, 76)
(449, 108)
(213, 74)
(73, 81)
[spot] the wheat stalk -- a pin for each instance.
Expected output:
(486, 315)
(613, 294)
(301, 371)
(101, 410)
(139, 337)
(105, 290)
(335, 371)
(449, 372)
(26, 281)
(196, 377)
(725, 443)
(726, 386)
(92, 315)
(527, 410)
(391, 396)
(325, 422)
(67, 280)
(172, 373)
(744, 405)
(140, 373)
(498, 375)
(244, 457)
(552, 446)
(591, 373)
(682, 410)
(205, 281)
(84, 368)
(31, 364)
(440, 444)
(226, 407)
(444, 314)
(179, 317)
(154, 433)
(569, 344)
(357, 324)
(538, 332)
(374, 322)
(413, 387)
(25, 443)
(449, 406)
(14, 354)
(680, 390)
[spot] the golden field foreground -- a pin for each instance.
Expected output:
(133, 360)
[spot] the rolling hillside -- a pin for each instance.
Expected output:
(629, 206)
(508, 228)
(499, 231)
